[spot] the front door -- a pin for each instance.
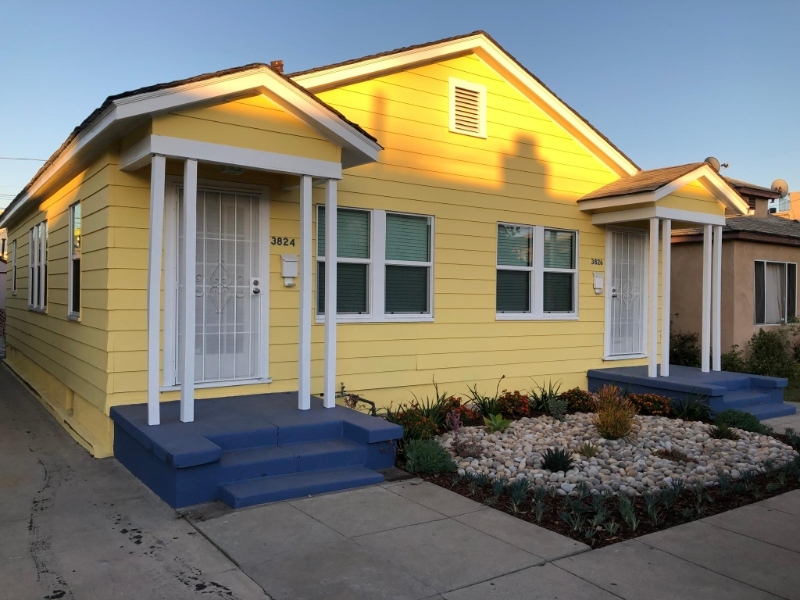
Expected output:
(228, 293)
(626, 293)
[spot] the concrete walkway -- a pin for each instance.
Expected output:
(78, 528)
(780, 424)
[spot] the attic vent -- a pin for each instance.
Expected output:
(467, 108)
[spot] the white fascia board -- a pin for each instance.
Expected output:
(221, 154)
(615, 201)
(649, 212)
(342, 75)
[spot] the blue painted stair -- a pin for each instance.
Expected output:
(760, 396)
(254, 449)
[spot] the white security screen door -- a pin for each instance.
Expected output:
(626, 293)
(229, 291)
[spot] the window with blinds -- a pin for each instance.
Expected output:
(408, 264)
(467, 108)
(401, 267)
(536, 272)
(775, 292)
(37, 267)
(353, 261)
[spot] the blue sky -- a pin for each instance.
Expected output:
(668, 82)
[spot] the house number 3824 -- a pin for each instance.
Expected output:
(282, 241)
(597, 261)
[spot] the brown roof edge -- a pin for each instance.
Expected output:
(453, 39)
(776, 240)
(161, 86)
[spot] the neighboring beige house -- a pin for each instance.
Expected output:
(760, 254)
(4, 251)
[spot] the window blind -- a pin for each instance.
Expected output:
(559, 249)
(558, 292)
(513, 291)
(351, 288)
(407, 238)
(514, 246)
(759, 294)
(353, 233)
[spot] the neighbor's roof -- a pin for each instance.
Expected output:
(173, 84)
(643, 181)
(478, 32)
(769, 226)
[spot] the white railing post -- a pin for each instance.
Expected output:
(331, 254)
(652, 302)
(157, 186)
(188, 298)
(716, 301)
(706, 326)
(304, 364)
(666, 285)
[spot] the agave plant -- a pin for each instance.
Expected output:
(557, 459)
(496, 423)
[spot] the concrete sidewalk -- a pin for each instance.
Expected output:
(78, 528)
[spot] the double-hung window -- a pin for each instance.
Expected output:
(37, 276)
(537, 276)
(74, 267)
(775, 292)
(14, 268)
(384, 265)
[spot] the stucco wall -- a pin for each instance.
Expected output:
(738, 273)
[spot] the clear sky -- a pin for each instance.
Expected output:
(668, 82)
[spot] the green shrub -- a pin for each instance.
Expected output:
(742, 420)
(588, 449)
(771, 354)
(734, 361)
(415, 424)
(514, 405)
(651, 404)
(496, 423)
(486, 406)
(557, 459)
(684, 349)
(691, 408)
(579, 400)
(723, 431)
(557, 407)
(541, 396)
(615, 414)
(427, 456)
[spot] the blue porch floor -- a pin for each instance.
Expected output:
(252, 449)
(761, 396)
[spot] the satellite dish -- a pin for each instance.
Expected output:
(713, 162)
(779, 185)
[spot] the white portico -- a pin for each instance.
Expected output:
(636, 211)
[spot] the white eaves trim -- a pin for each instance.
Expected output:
(140, 154)
(317, 81)
(659, 212)
(121, 113)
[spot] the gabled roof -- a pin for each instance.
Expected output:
(643, 181)
(482, 44)
(117, 113)
(777, 227)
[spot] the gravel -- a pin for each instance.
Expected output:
(628, 466)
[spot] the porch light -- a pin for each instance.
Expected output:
(231, 170)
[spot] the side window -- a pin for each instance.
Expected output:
(74, 267)
(37, 275)
(408, 264)
(353, 262)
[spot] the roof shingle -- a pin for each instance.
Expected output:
(643, 181)
(771, 226)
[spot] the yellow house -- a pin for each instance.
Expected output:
(484, 229)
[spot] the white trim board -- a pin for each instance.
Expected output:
(649, 212)
(482, 46)
(140, 154)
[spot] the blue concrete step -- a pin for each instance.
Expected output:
(327, 454)
(247, 463)
(295, 485)
(770, 411)
(750, 397)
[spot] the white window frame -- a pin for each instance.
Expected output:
(537, 270)
(376, 271)
(786, 290)
(72, 313)
(14, 267)
(170, 367)
(37, 249)
(475, 87)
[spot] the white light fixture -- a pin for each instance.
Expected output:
(230, 170)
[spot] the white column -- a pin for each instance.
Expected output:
(331, 253)
(666, 284)
(157, 186)
(188, 299)
(716, 301)
(304, 364)
(652, 302)
(706, 328)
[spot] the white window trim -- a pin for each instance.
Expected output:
(786, 282)
(13, 267)
(37, 252)
(72, 314)
(376, 273)
(475, 87)
(169, 373)
(537, 270)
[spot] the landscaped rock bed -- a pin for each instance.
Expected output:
(659, 452)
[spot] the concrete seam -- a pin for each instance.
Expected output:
(586, 580)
